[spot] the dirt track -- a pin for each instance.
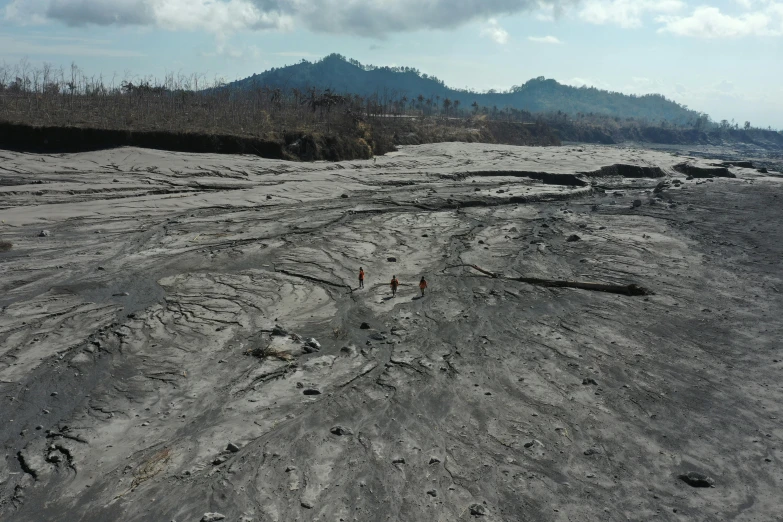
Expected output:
(487, 399)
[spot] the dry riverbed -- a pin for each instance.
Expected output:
(182, 337)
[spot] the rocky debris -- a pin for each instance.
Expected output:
(44, 233)
(289, 469)
(636, 203)
(364, 326)
(311, 391)
(589, 381)
(279, 331)
(391, 259)
(378, 336)
(530, 444)
(212, 517)
(762, 170)
(344, 196)
(573, 237)
(433, 493)
(340, 431)
(703, 172)
(398, 460)
(121, 294)
(477, 510)
(233, 448)
(313, 343)
(591, 451)
(740, 164)
(307, 505)
(697, 480)
(434, 460)
(54, 457)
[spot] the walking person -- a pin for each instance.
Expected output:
(394, 284)
(361, 277)
(422, 285)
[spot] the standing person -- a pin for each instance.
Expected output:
(361, 277)
(394, 284)
(422, 285)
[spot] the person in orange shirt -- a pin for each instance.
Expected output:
(422, 286)
(361, 277)
(394, 284)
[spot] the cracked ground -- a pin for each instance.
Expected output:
(181, 334)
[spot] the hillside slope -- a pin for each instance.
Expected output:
(422, 91)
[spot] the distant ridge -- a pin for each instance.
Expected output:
(539, 95)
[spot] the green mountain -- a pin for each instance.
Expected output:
(423, 92)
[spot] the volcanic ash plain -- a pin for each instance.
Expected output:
(182, 337)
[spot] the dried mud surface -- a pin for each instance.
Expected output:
(137, 337)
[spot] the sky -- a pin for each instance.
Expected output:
(722, 57)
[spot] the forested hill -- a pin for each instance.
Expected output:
(424, 92)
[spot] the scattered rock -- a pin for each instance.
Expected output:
(391, 259)
(279, 331)
(762, 170)
(340, 431)
(530, 444)
(591, 451)
(377, 336)
(364, 326)
(637, 203)
(434, 460)
(217, 461)
(344, 196)
(697, 480)
(432, 493)
(121, 294)
(573, 237)
(311, 342)
(212, 517)
(233, 448)
(289, 469)
(44, 233)
(312, 391)
(54, 457)
(307, 505)
(398, 460)
(477, 510)
(589, 381)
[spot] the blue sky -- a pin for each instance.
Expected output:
(723, 57)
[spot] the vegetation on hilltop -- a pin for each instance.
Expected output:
(311, 122)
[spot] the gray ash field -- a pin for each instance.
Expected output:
(180, 337)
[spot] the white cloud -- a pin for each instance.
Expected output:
(494, 31)
(544, 39)
(15, 45)
(710, 22)
(626, 13)
(370, 18)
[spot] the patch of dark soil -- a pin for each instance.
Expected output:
(703, 172)
(627, 171)
(28, 138)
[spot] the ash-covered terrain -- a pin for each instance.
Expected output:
(182, 337)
